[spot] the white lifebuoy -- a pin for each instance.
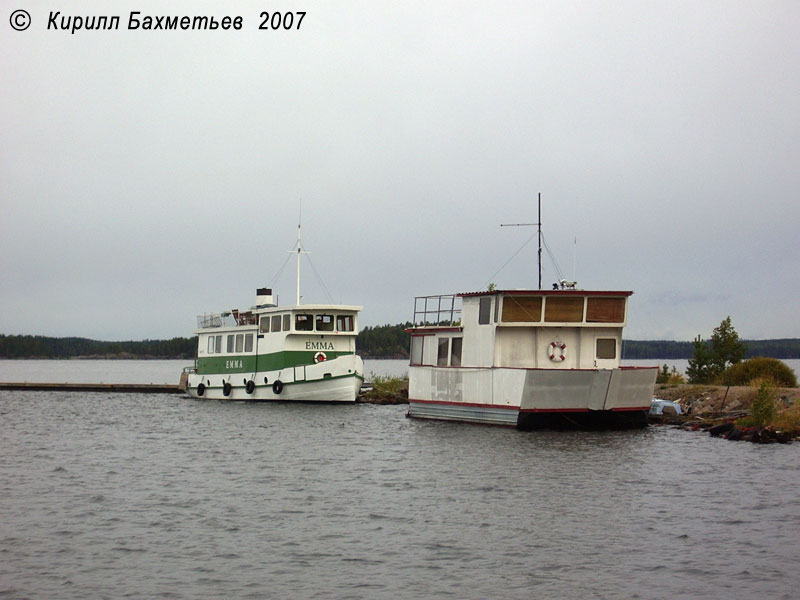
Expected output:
(558, 351)
(320, 357)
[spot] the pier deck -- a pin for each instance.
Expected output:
(128, 388)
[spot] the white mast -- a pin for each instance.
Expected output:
(298, 263)
(299, 252)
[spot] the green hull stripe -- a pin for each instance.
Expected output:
(250, 363)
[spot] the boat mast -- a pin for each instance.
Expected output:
(539, 225)
(298, 263)
(540, 240)
(299, 251)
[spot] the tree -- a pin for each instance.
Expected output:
(700, 369)
(726, 347)
(711, 358)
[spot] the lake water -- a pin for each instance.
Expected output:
(106, 495)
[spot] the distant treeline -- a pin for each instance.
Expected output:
(37, 346)
(383, 341)
(633, 349)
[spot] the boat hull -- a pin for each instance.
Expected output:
(337, 380)
(533, 398)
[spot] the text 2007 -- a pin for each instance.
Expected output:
(277, 20)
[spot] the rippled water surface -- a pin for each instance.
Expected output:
(144, 496)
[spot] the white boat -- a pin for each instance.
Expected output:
(526, 359)
(303, 352)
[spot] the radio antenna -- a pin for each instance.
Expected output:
(539, 225)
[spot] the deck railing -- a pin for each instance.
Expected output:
(226, 319)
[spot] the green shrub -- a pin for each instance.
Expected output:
(385, 385)
(764, 410)
(789, 419)
(772, 369)
(668, 377)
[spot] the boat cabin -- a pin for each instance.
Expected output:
(527, 329)
(268, 328)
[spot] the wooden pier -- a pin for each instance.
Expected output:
(127, 388)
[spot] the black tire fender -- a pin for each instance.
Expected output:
(277, 387)
(250, 387)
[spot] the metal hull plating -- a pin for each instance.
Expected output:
(335, 380)
(463, 412)
(533, 398)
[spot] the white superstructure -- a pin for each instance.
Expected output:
(526, 358)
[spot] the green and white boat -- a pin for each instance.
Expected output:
(305, 352)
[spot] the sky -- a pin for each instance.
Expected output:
(147, 177)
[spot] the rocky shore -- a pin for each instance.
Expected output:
(718, 400)
(394, 393)
(715, 408)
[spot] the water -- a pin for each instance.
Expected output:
(107, 495)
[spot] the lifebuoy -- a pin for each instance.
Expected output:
(250, 387)
(320, 357)
(201, 389)
(277, 387)
(226, 389)
(558, 351)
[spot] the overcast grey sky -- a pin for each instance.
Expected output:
(149, 176)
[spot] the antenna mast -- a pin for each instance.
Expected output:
(540, 240)
(539, 225)
(299, 252)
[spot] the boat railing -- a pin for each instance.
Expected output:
(231, 318)
(210, 320)
(440, 310)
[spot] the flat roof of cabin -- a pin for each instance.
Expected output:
(547, 293)
(310, 307)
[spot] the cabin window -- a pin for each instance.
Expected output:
(248, 342)
(563, 309)
(239, 342)
(455, 352)
(287, 322)
(264, 328)
(484, 310)
(304, 322)
(444, 350)
(324, 322)
(605, 310)
(606, 348)
(416, 349)
(276, 323)
(344, 323)
(229, 347)
(214, 344)
(522, 309)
